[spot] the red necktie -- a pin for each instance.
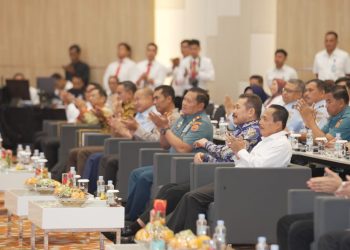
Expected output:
(149, 65)
(193, 69)
(118, 69)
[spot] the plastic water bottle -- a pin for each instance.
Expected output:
(222, 126)
(274, 247)
(220, 235)
(100, 186)
(261, 245)
(36, 152)
(337, 145)
(110, 185)
(28, 150)
(71, 176)
(42, 155)
(309, 141)
(201, 225)
(19, 153)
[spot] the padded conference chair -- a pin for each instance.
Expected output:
(250, 200)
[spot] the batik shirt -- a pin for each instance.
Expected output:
(249, 131)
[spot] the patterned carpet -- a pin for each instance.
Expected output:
(57, 241)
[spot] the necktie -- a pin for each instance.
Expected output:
(193, 69)
(119, 68)
(149, 65)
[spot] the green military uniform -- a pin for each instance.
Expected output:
(191, 128)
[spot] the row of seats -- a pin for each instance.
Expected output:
(250, 201)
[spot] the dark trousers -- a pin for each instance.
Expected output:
(335, 241)
(108, 168)
(192, 203)
(50, 146)
(295, 232)
(91, 171)
(172, 193)
(139, 191)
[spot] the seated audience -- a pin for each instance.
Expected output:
(274, 150)
(337, 100)
(190, 127)
(314, 97)
(246, 115)
(76, 67)
(107, 166)
(256, 80)
(344, 81)
(276, 88)
(78, 87)
(126, 109)
(292, 92)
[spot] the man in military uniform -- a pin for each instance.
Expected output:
(337, 100)
(292, 92)
(190, 127)
(246, 115)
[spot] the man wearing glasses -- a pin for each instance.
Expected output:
(292, 92)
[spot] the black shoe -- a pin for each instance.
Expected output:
(127, 240)
(110, 236)
(127, 231)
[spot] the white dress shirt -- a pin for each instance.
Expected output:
(273, 151)
(331, 67)
(205, 71)
(285, 73)
(143, 119)
(157, 72)
(125, 73)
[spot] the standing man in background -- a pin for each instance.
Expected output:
(331, 63)
(150, 73)
(76, 67)
(122, 68)
(195, 70)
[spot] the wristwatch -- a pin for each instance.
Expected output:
(164, 130)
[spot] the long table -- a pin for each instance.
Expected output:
(18, 125)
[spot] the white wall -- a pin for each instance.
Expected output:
(238, 35)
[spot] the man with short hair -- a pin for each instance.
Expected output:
(331, 63)
(314, 97)
(179, 88)
(256, 80)
(150, 73)
(246, 116)
(344, 81)
(274, 150)
(281, 70)
(195, 70)
(337, 100)
(292, 92)
(123, 68)
(76, 66)
(190, 127)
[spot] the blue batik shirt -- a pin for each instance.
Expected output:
(249, 131)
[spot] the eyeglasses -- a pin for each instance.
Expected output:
(289, 90)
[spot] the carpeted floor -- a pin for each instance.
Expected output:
(57, 241)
